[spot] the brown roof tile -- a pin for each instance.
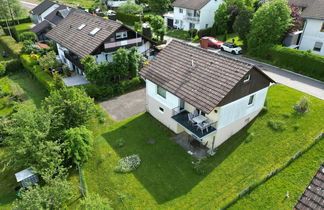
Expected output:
(203, 86)
(78, 41)
(190, 4)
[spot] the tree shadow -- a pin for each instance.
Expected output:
(166, 171)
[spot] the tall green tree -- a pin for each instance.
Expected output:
(242, 24)
(269, 25)
(158, 26)
(159, 6)
(72, 106)
(55, 195)
(130, 7)
(78, 143)
(121, 61)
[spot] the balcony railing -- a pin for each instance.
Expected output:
(123, 43)
(193, 19)
(181, 117)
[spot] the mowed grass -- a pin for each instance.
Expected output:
(294, 180)
(32, 92)
(166, 178)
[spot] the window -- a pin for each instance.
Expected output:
(81, 27)
(161, 91)
(180, 10)
(176, 22)
(161, 109)
(251, 100)
(191, 25)
(94, 31)
(322, 28)
(247, 78)
(121, 35)
(318, 46)
(206, 26)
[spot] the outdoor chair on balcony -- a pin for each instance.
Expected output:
(190, 119)
(203, 126)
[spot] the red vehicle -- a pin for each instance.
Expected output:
(213, 42)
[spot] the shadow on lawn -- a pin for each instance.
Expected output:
(166, 170)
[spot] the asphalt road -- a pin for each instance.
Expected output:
(28, 5)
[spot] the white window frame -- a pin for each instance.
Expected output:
(180, 10)
(248, 78)
(250, 103)
(121, 35)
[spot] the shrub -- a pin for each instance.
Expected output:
(276, 125)
(128, 19)
(31, 36)
(10, 45)
(205, 32)
(193, 32)
(2, 69)
(302, 105)
(29, 47)
(16, 21)
(128, 164)
(13, 65)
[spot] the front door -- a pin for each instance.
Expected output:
(170, 23)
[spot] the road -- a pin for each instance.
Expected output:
(282, 76)
(28, 5)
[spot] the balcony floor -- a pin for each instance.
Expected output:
(182, 119)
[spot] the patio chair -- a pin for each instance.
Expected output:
(190, 118)
(203, 126)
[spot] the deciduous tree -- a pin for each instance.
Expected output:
(242, 24)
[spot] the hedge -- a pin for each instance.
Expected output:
(15, 22)
(44, 78)
(110, 90)
(17, 30)
(10, 45)
(128, 19)
(12, 65)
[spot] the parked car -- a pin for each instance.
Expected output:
(231, 47)
(213, 42)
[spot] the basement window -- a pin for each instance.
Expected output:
(247, 78)
(94, 31)
(318, 46)
(81, 27)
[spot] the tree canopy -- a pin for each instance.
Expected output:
(130, 7)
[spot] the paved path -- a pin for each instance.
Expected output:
(28, 5)
(282, 76)
(126, 106)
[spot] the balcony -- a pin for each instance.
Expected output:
(115, 3)
(74, 59)
(181, 117)
(122, 43)
(192, 19)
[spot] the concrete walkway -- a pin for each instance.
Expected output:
(126, 106)
(282, 76)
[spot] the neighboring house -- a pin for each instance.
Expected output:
(313, 196)
(114, 4)
(188, 14)
(313, 32)
(51, 20)
(225, 94)
(81, 34)
(39, 13)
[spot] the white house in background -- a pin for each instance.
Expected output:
(188, 14)
(39, 13)
(114, 4)
(81, 34)
(312, 37)
(206, 95)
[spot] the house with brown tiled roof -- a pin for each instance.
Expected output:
(312, 38)
(81, 34)
(206, 95)
(189, 14)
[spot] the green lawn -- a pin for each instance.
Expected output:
(32, 92)
(294, 180)
(166, 178)
(179, 34)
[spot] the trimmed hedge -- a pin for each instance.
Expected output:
(111, 90)
(128, 19)
(12, 65)
(17, 30)
(10, 45)
(44, 78)
(15, 22)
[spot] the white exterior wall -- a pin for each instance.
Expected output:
(154, 102)
(207, 14)
(312, 33)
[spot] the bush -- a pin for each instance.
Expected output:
(206, 32)
(10, 45)
(128, 164)
(193, 32)
(276, 125)
(31, 36)
(13, 65)
(15, 22)
(302, 105)
(128, 19)
(13, 32)
(2, 69)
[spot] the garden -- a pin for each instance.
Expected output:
(170, 178)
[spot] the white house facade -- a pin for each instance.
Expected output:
(196, 14)
(39, 13)
(220, 94)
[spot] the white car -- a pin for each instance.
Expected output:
(231, 48)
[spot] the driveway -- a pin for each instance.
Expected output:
(126, 106)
